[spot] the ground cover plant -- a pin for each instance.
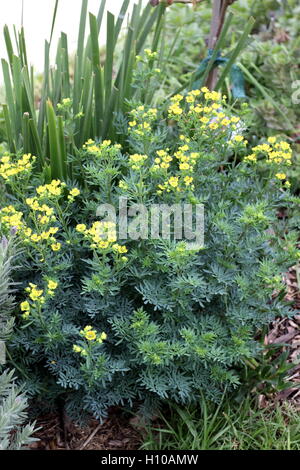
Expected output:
(92, 309)
(226, 427)
(15, 434)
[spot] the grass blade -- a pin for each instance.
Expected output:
(53, 20)
(57, 147)
(266, 95)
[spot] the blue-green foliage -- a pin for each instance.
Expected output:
(179, 323)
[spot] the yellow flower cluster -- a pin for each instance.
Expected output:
(9, 168)
(25, 308)
(103, 149)
(45, 216)
(186, 162)
(91, 336)
(280, 176)
(136, 161)
(37, 297)
(140, 125)
(45, 235)
(123, 185)
(55, 188)
(35, 294)
(119, 248)
(11, 218)
(275, 152)
(52, 286)
(205, 107)
(176, 183)
(73, 193)
(33, 203)
(149, 54)
(66, 103)
(102, 235)
(175, 108)
(239, 139)
(162, 161)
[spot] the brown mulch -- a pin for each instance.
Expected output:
(115, 433)
(287, 331)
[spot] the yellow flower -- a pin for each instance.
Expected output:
(175, 110)
(238, 138)
(165, 165)
(177, 98)
(25, 306)
(74, 192)
(81, 228)
(52, 285)
(91, 335)
(188, 180)
(190, 99)
(184, 166)
(56, 246)
(284, 145)
(173, 181)
(272, 140)
(35, 294)
(77, 349)
(35, 238)
(44, 220)
(204, 119)
(87, 328)
(102, 338)
(251, 158)
(123, 185)
(280, 176)
(119, 248)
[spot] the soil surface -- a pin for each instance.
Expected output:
(115, 433)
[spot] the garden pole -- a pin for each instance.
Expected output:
(217, 23)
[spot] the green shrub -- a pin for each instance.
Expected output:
(104, 321)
